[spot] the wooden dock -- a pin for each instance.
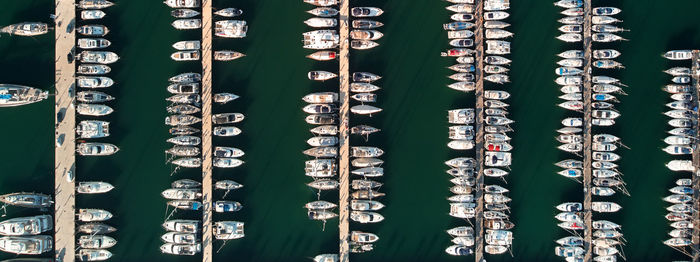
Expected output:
(344, 132)
(587, 134)
(695, 252)
(207, 161)
(479, 127)
(64, 206)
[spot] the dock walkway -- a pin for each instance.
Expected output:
(64, 206)
(344, 130)
(696, 163)
(587, 134)
(207, 161)
(479, 126)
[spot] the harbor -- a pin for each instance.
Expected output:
(414, 107)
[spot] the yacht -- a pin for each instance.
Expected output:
(230, 28)
(322, 2)
(26, 29)
(184, 13)
(324, 184)
(323, 11)
(186, 183)
(185, 204)
(227, 162)
(187, 45)
(323, 119)
(606, 207)
(229, 12)
(322, 97)
(186, 78)
(182, 193)
(569, 252)
(322, 152)
(227, 185)
(92, 129)
(30, 200)
(92, 30)
(462, 210)
(320, 204)
(321, 39)
(569, 3)
(604, 20)
(96, 149)
(23, 226)
(365, 205)
(94, 187)
(497, 15)
(183, 130)
(93, 43)
(363, 130)
(16, 95)
(93, 215)
(96, 241)
(321, 75)
(321, 215)
(321, 22)
(227, 55)
(226, 131)
(678, 242)
(182, 225)
(227, 206)
(93, 69)
(461, 8)
(320, 109)
(192, 55)
(364, 217)
(366, 24)
(323, 141)
(366, 11)
(365, 110)
(366, 194)
(180, 238)
(606, 37)
(365, 34)
(26, 245)
(323, 55)
(459, 250)
(227, 118)
(187, 24)
(221, 151)
(98, 57)
(223, 98)
(94, 82)
(183, 3)
(94, 4)
(365, 151)
(183, 109)
(181, 249)
(96, 228)
(362, 237)
(178, 120)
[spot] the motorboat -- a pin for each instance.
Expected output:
(94, 187)
(227, 185)
(190, 55)
(231, 28)
(459, 250)
(321, 215)
(606, 11)
(183, 3)
(96, 228)
(229, 12)
(571, 20)
(684, 190)
(227, 230)
(322, 119)
(185, 183)
(223, 98)
(94, 4)
(322, 2)
(185, 140)
(184, 13)
(570, 207)
(181, 249)
(468, 42)
(324, 184)
(182, 109)
(362, 237)
(606, 37)
(182, 131)
(678, 150)
(226, 131)
(182, 225)
(92, 129)
(92, 30)
(365, 205)
(321, 22)
(24, 226)
(323, 55)
(571, 28)
(16, 95)
(569, 3)
(180, 238)
(321, 75)
(678, 199)
(321, 97)
(93, 215)
(461, 162)
(227, 118)
(98, 57)
(320, 108)
(26, 245)
(571, 62)
(326, 258)
(221, 151)
(227, 162)
(497, 60)
(462, 68)
(570, 241)
(227, 55)
(185, 204)
(366, 12)
(497, 34)
(460, 34)
(96, 241)
(96, 149)
(605, 207)
(458, 52)
(186, 78)
(323, 12)
(678, 55)
(320, 204)
(365, 77)
(93, 43)
(187, 45)
(496, 15)
(93, 69)
(93, 82)
(187, 24)
(604, 20)
(365, 34)
(366, 24)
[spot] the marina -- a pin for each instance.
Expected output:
(414, 100)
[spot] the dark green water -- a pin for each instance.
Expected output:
(271, 81)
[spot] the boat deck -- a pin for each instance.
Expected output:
(479, 126)
(344, 130)
(64, 207)
(207, 161)
(696, 164)
(587, 136)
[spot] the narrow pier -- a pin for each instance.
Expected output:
(344, 131)
(696, 163)
(207, 230)
(587, 136)
(479, 127)
(64, 206)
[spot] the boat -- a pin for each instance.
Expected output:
(321, 97)
(230, 28)
(678, 150)
(94, 82)
(496, 15)
(369, 171)
(92, 30)
(365, 34)
(226, 131)
(26, 29)
(322, 119)
(183, 3)
(569, 3)
(93, 69)
(192, 55)
(362, 237)
(181, 249)
(185, 183)
(366, 194)
(606, 37)
(569, 252)
(326, 258)
(323, 11)
(365, 110)
(94, 4)
(184, 13)
(182, 109)
(227, 230)
(182, 225)
(187, 24)
(94, 187)
(93, 215)
(96, 242)
(180, 238)
(320, 204)
(322, 141)
(96, 228)
(227, 118)
(93, 43)
(321, 22)
(187, 45)
(321, 215)
(678, 55)
(365, 151)
(227, 185)
(221, 151)
(496, 47)
(570, 241)
(24, 226)
(366, 11)
(185, 204)
(678, 242)
(322, 2)
(223, 98)
(324, 55)
(227, 55)
(185, 140)
(605, 207)
(321, 39)
(17, 95)
(321, 75)
(324, 184)
(98, 57)
(182, 193)
(364, 217)
(229, 12)
(183, 130)
(360, 184)
(26, 245)
(366, 24)
(227, 162)
(178, 120)
(684, 190)
(678, 199)
(320, 108)
(459, 250)
(186, 78)
(96, 149)
(365, 205)
(92, 129)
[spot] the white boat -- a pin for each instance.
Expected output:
(497, 47)
(96, 242)
(92, 30)
(321, 22)
(94, 82)
(604, 20)
(366, 11)
(321, 39)
(97, 57)
(179, 238)
(226, 131)
(458, 250)
(324, 55)
(606, 37)
(184, 13)
(322, 2)
(231, 28)
(569, 3)
(183, 3)
(92, 14)
(93, 215)
(185, 140)
(187, 45)
(461, 8)
(570, 37)
(497, 34)
(324, 184)
(16, 95)
(93, 43)
(606, 11)
(93, 69)
(227, 230)
(678, 55)
(190, 162)
(227, 118)
(92, 129)
(323, 11)
(227, 162)
(496, 15)
(26, 245)
(605, 207)
(181, 249)
(24, 226)
(362, 237)
(365, 110)
(229, 12)
(187, 24)
(321, 75)
(96, 149)
(223, 98)
(227, 185)
(93, 187)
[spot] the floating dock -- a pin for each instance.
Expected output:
(344, 132)
(64, 196)
(696, 163)
(479, 126)
(587, 136)
(207, 161)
